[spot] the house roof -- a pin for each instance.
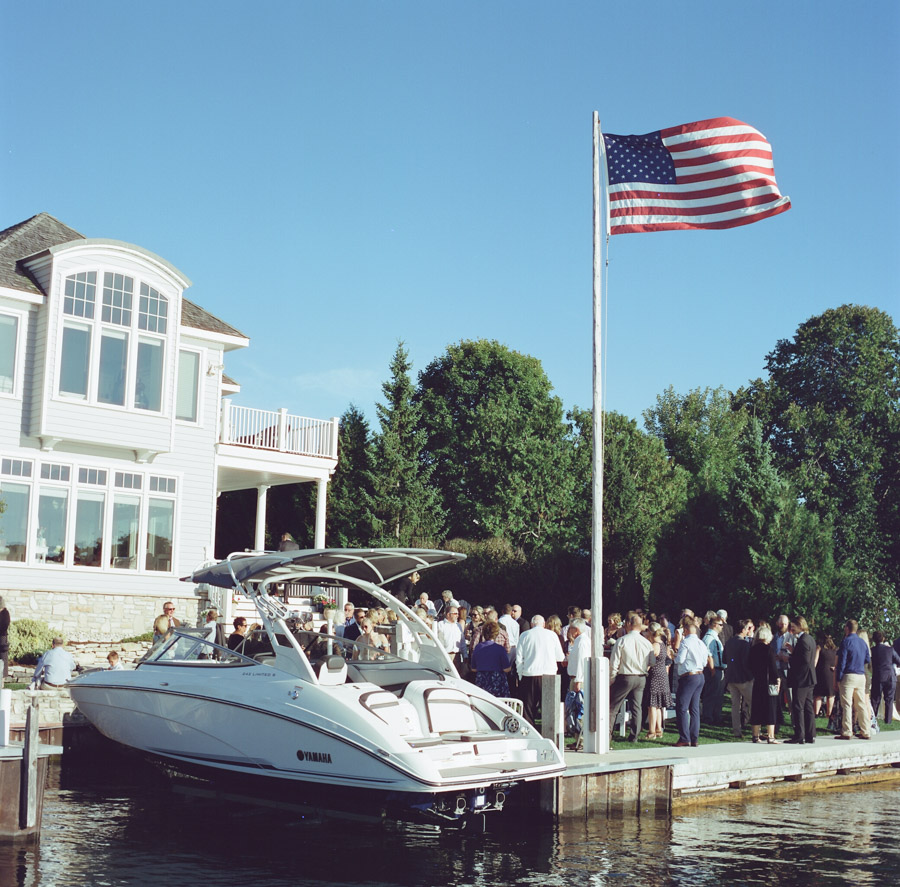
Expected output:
(32, 236)
(200, 319)
(42, 231)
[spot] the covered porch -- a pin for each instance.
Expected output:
(260, 449)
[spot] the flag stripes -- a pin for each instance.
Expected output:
(714, 173)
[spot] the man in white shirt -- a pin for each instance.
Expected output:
(211, 624)
(579, 653)
(632, 656)
(579, 635)
(537, 654)
(692, 657)
(508, 621)
(426, 604)
(450, 634)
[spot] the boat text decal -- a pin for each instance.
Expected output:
(317, 757)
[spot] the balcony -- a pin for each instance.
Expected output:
(273, 447)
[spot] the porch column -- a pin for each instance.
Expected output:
(259, 542)
(321, 499)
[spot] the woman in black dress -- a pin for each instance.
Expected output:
(826, 659)
(658, 683)
(765, 671)
(4, 637)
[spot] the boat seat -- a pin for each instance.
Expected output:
(332, 671)
(400, 714)
(265, 658)
(441, 709)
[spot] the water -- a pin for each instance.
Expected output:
(131, 829)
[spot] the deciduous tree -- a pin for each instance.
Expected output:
(831, 406)
(496, 443)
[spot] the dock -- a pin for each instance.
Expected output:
(23, 775)
(659, 781)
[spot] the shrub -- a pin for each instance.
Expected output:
(29, 639)
(138, 639)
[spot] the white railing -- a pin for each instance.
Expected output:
(277, 430)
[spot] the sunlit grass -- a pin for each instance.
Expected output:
(722, 733)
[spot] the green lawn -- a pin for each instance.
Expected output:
(718, 734)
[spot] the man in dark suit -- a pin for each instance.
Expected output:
(352, 632)
(884, 677)
(802, 681)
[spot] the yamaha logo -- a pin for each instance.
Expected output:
(316, 757)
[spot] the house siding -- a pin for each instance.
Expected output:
(109, 603)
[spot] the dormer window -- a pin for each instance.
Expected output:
(117, 359)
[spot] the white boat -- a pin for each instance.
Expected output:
(320, 716)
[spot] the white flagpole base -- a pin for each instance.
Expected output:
(596, 701)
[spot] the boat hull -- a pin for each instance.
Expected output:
(290, 751)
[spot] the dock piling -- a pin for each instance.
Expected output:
(28, 797)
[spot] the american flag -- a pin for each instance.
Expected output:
(715, 173)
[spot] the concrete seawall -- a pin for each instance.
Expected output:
(657, 780)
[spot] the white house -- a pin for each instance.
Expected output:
(117, 433)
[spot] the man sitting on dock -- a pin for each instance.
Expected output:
(54, 668)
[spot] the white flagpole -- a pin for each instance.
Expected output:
(597, 691)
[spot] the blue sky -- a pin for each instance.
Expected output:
(337, 176)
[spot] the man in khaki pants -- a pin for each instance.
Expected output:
(850, 682)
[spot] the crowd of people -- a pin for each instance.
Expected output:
(776, 675)
(503, 653)
(770, 672)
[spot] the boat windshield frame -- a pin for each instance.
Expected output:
(184, 646)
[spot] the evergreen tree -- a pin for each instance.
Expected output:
(701, 433)
(405, 504)
(778, 552)
(350, 522)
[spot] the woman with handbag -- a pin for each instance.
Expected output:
(764, 698)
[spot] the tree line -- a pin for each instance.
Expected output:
(782, 496)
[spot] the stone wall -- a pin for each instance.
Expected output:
(86, 616)
(56, 704)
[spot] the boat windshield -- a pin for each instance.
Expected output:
(179, 647)
(379, 654)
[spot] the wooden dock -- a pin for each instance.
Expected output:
(650, 781)
(23, 775)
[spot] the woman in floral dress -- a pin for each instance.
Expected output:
(658, 682)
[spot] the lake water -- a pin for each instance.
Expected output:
(128, 828)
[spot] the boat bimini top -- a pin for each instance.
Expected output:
(365, 569)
